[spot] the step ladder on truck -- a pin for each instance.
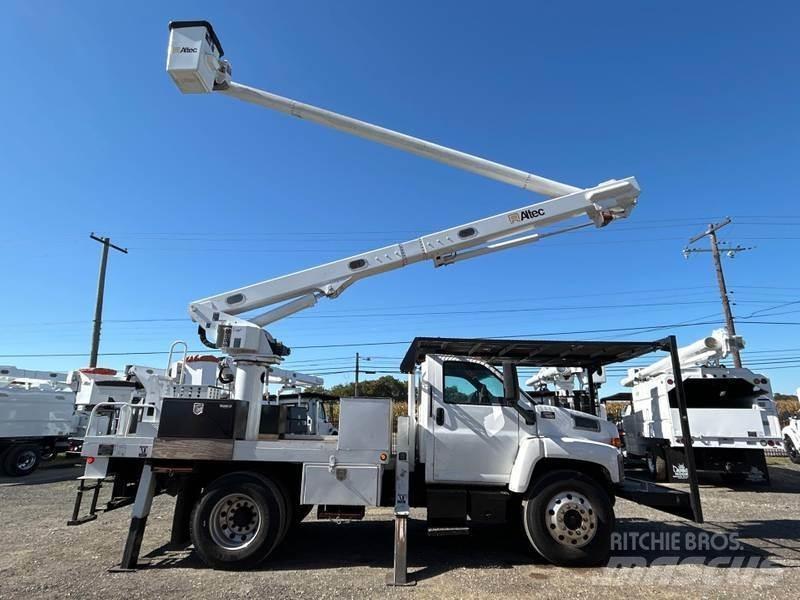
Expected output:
(240, 490)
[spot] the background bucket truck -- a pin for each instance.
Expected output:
(731, 413)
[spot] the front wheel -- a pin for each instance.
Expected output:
(238, 521)
(791, 450)
(568, 519)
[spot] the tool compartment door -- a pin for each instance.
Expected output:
(346, 485)
(475, 434)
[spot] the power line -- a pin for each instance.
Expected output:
(404, 342)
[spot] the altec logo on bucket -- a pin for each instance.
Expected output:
(524, 215)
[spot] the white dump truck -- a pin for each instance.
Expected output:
(473, 449)
(731, 413)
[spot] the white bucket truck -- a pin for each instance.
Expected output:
(473, 449)
(731, 413)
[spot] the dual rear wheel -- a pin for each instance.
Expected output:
(240, 519)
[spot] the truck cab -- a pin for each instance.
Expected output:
(472, 431)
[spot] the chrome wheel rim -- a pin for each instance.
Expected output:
(571, 519)
(235, 522)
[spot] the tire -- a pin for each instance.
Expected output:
(568, 519)
(657, 464)
(221, 516)
(22, 460)
(791, 450)
(48, 454)
(288, 509)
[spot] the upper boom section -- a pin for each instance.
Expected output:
(194, 61)
(708, 350)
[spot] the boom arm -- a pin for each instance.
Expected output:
(194, 61)
(708, 350)
(601, 204)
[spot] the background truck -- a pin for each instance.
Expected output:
(36, 418)
(570, 388)
(731, 412)
(473, 449)
(791, 436)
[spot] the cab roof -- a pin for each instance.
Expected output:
(533, 353)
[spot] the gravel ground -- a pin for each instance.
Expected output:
(43, 558)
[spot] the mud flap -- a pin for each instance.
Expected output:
(660, 497)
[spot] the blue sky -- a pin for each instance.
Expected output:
(699, 101)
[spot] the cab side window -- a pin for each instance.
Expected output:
(471, 383)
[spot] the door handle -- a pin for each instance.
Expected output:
(440, 416)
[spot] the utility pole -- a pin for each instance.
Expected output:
(101, 285)
(359, 358)
(355, 391)
(711, 233)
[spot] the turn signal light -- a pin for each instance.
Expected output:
(616, 442)
(89, 460)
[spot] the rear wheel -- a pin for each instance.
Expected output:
(791, 450)
(238, 521)
(21, 460)
(568, 519)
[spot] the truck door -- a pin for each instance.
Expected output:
(475, 433)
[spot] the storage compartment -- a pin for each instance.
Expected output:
(273, 420)
(348, 485)
(365, 424)
(209, 419)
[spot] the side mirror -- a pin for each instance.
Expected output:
(510, 382)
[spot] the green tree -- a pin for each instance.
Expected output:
(383, 387)
(787, 406)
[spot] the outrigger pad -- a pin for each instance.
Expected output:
(660, 497)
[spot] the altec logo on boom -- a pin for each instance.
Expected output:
(524, 215)
(184, 49)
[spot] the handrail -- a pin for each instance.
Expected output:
(183, 363)
(122, 423)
